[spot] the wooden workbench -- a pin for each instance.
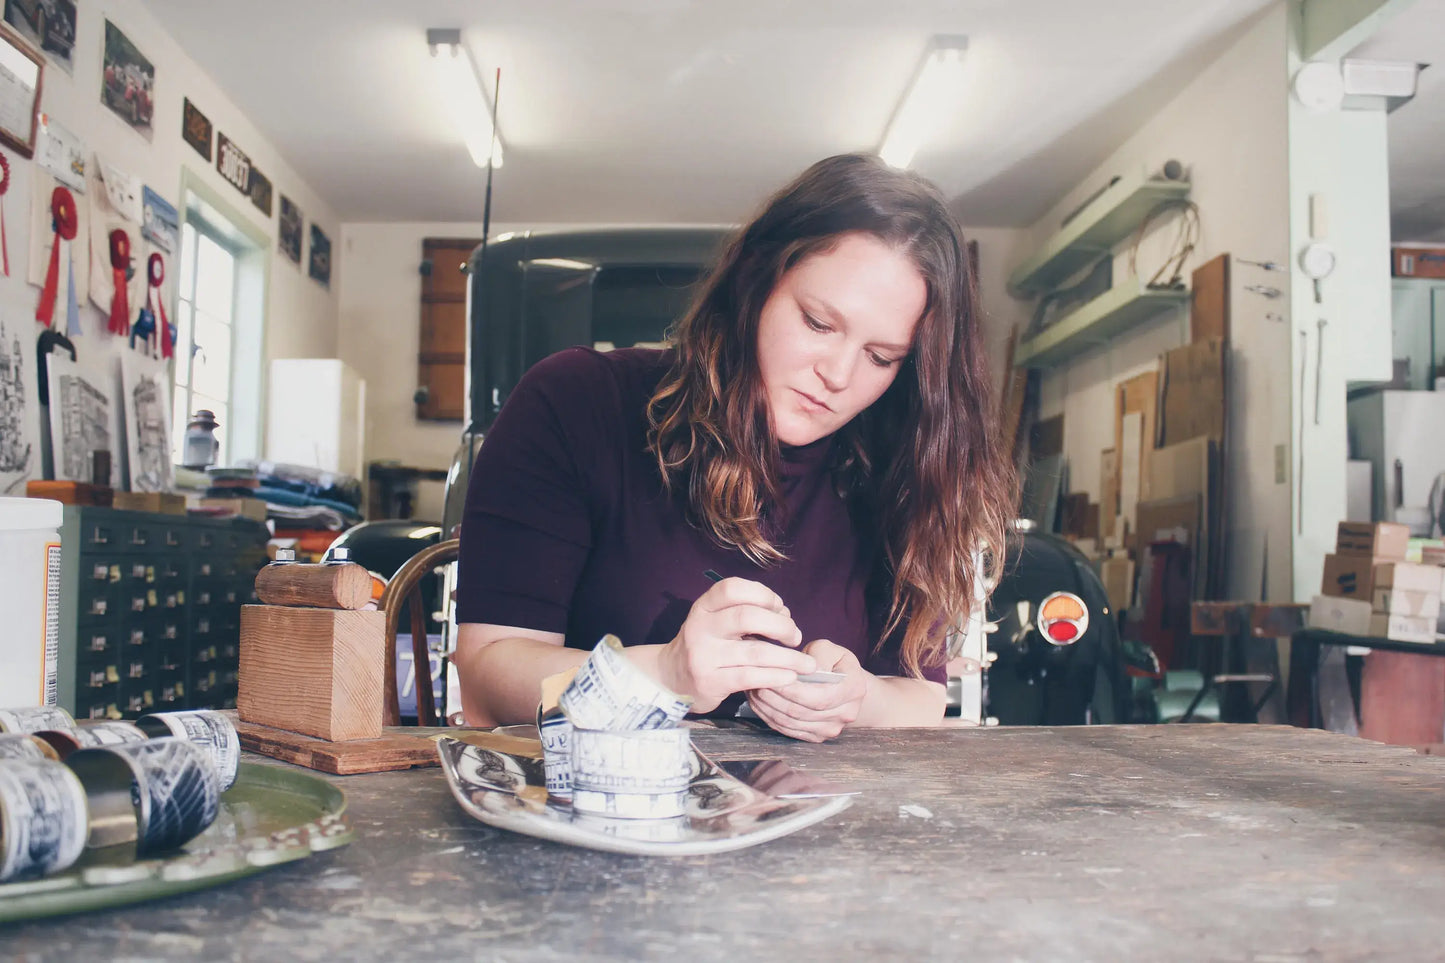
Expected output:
(1195, 842)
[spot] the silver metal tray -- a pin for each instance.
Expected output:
(723, 814)
(270, 816)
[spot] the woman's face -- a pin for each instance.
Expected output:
(833, 334)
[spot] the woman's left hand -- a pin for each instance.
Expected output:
(814, 711)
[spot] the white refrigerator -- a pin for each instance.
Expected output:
(1402, 435)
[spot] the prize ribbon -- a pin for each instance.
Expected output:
(4, 186)
(119, 301)
(156, 272)
(64, 222)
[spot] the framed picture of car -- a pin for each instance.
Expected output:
(47, 25)
(128, 81)
(22, 70)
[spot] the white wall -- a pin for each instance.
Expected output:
(301, 314)
(1228, 127)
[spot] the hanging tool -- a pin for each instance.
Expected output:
(1271, 316)
(1319, 363)
(1304, 346)
(1266, 265)
(1263, 289)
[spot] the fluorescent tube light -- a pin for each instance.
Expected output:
(461, 89)
(934, 85)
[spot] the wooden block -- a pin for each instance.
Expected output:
(320, 672)
(70, 492)
(344, 586)
(1209, 300)
(1375, 539)
(1277, 620)
(1402, 698)
(398, 747)
(253, 508)
(165, 503)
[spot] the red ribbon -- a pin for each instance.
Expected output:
(120, 300)
(156, 271)
(4, 186)
(63, 220)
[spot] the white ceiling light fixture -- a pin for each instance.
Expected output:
(460, 85)
(934, 86)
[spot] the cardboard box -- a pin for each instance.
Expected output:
(1407, 575)
(1403, 628)
(1376, 539)
(1117, 574)
(1350, 616)
(1417, 262)
(1349, 576)
(1422, 605)
(1191, 386)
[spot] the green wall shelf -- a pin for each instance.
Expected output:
(1107, 220)
(1094, 323)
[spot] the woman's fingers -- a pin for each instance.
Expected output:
(799, 713)
(740, 591)
(796, 729)
(744, 678)
(741, 621)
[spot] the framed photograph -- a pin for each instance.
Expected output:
(22, 70)
(288, 235)
(320, 268)
(128, 81)
(48, 25)
(83, 419)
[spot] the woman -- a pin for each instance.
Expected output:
(821, 433)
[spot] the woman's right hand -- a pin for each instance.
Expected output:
(722, 648)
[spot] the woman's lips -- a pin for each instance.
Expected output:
(810, 403)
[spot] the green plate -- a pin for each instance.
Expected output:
(271, 815)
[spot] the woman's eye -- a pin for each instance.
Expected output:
(813, 322)
(880, 361)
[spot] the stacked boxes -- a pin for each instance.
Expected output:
(1369, 568)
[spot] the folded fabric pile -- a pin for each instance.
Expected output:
(295, 496)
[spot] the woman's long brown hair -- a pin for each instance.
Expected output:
(923, 466)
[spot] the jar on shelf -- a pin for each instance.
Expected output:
(201, 447)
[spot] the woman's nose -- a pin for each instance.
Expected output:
(834, 368)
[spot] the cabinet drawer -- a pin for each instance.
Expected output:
(98, 703)
(97, 600)
(138, 701)
(95, 677)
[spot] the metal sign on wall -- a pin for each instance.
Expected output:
(233, 163)
(196, 129)
(260, 191)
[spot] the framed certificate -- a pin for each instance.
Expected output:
(21, 71)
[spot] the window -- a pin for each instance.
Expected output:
(205, 331)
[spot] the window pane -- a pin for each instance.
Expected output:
(179, 417)
(188, 259)
(183, 344)
(211, 369)
(215, 279)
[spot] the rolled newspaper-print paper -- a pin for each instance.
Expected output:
(43, 818)
(90, 735)
(556, 734)
(22, 745)
(34, 719)
(609, 692)
(158, 794)
(209, 730)
(622, 805)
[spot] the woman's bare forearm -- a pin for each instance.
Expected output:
(501, 680)
(896, 701)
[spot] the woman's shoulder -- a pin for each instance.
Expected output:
(583, 375)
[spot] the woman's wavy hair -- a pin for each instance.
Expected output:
(923, 465)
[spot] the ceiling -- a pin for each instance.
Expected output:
(682, 111)
(1417, 129)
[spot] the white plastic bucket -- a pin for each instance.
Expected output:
(29, 601)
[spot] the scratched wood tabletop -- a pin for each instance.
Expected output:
(1191, 842)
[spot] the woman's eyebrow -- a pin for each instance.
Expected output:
(819, 305)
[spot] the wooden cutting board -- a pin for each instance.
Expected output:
(399, 747)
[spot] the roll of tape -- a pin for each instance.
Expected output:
(609, 692)
(90, 735)
(158, 794)
(209, 730)
(34, 719)
(43, 817)
(22, 745)
(641, 762)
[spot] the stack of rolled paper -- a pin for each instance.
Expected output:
(611, 742)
